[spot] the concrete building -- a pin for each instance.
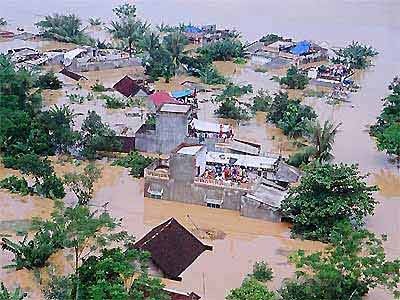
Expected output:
(194, 175)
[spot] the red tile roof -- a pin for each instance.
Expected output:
(130, 87)
(173, 248)
(159, 98)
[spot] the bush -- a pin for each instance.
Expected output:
(17, 294)
(210, 75)
(48, 81)
(113, 102)
(230, 109)
(294, 79)
(262, 272)
(136, 162)
(233, 90)
(98, 87)
(262, 101)
(227, 49)
(15, 185)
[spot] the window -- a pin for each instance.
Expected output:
(213, 205)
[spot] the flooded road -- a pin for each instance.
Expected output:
(374, 22)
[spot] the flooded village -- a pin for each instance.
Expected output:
(199, 150)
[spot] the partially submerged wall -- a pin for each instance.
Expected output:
(255, 209)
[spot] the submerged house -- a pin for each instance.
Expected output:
(129, 87)
(246, 183)
(173, 249)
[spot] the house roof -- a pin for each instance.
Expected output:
(160, 98)
(182, 94)
(130, 87)
(301, 48)
(173, 248)
(175, 108)
(193, 29)
(205, 126)
(73, 75)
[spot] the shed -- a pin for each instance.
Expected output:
(172, 247)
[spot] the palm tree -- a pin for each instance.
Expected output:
(322, 139)
(175, 44)
(150, 42)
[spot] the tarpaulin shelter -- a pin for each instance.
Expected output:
(301, 48)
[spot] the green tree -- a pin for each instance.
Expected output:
(251, 289)
(321, 139)
(3, 22)
(223, 50)
(356, 55)
(175, 44)
(348, 269)
(270, 38)
(136, 162)
(262, 272)
(262, 101)
(49, 81)
(389, 140)
(127, 28)
(82, 184)
(64, 28)
(210, 75)
(147, 288)
(17, 294)
(96, 136)
(229, 108)
(326, 196)
(294, 79)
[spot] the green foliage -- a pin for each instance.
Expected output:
(386, 129)
(114, 102)
(294, 79)
(262, 272)
(326, 196)
(83, 231)
(229, 108)
(226, 49)
(3, 22)
(262, 101)
(15, 185)
(321, 139)
(148, 288)
(96, 136)
(49, 81)
(136, 162)
(59, 288)
(98, 87)
(233, 90)
(64, 28)
(270, 38)
(240, 61)
(33, 253)
(175, 44)
(82, 184)
(210, 75)
(290, 115)
(127, 28)
(151, 120)
(356, 55)
(348, 269)
(17, 294)
(389, 140)
(95, 21)
(251, 289)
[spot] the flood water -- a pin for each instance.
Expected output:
(375, 22)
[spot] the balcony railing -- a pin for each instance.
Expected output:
(224, 184)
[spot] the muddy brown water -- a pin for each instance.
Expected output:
(243, 240)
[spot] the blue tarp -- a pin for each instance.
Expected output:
(301, 48)
(181, 94)
(193, 29)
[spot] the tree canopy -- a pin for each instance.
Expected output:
(294, 79)
(251, 289)
(327, 195)
(356, 55)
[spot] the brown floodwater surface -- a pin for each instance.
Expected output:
(238, 241)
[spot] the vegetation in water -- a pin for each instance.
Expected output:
(290, 115)
(98, 87)
(135, 162)
(114, 102)
(210, 75)
(16, 294)
(230, 108)
(386, 129)
(262, 101)
(270, 38)
(294, 79)
(233, 90)
(349, 268)
(355, 55)
(223, 50)
(15, 185)
(326, 196)
(48, 80)
(3, 21)
(64, 28)
(320, 143)
(251, 289)
(262, 272)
